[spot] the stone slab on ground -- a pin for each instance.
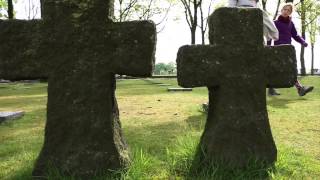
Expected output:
(179, 89)
(4, 116)
(4, 81)
(164, 84)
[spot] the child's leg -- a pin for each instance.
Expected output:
(298, 85)
(302, 90)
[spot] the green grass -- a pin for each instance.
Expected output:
(163, 130)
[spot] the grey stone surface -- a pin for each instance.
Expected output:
(79, 49)
(164, 84)
(4, 81)
(236, 67)
(179, 89)
(5, 116)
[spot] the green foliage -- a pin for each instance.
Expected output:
(3, 3)
(3, 8)
(312, 16)
(311, 9)
(140, 10)
(164, 69)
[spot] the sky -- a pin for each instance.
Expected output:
(176, 32)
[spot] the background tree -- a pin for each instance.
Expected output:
(312, 30)
(3, 8)
(191, 9)
(264, 4)
(32, 9)
(312, 25)
(126, 10)
(10, 9)
(196, 13)
(165, 69)
(277, 10)
(306, 11)
(204, 20)
(302, 13)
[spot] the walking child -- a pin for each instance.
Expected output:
(287, 31)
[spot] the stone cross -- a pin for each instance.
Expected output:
(236, 67)
(79, 49)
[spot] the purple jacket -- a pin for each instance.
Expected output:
(287, 31)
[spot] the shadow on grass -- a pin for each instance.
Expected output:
(24, 173)
(282, 103)
(142, 90)
(197, 122)
(152, 81)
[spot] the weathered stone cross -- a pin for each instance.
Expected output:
(78, 48)
(236, 68)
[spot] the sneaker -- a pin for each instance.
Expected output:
(304, 90)
(273, 92)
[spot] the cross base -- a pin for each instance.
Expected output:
(235, 135)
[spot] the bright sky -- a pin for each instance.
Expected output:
(176, 33)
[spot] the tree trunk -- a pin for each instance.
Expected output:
(203, 31)
(41, 7)
(312, 58)
(203, 37)
(303, 34)
(195, 22)
(303, 67)
(10, 9)
(264, 5)
(276, 13)
(193, 35)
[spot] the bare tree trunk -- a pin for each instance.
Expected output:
(312, 58)
(41, 7)
(193, 36)
(202, 26)
(303, 67)
(276, 13)
(303, 34)
(10, 9)
(191, 16)
(195, 22)
(264, 5)
(29, 9)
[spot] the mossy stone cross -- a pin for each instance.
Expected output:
(79, 49)
(236, 67)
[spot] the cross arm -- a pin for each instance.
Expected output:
(281, 66)
(20, 41)
(198, 65)
(134, 47)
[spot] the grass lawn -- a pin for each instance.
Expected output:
(163, 129)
